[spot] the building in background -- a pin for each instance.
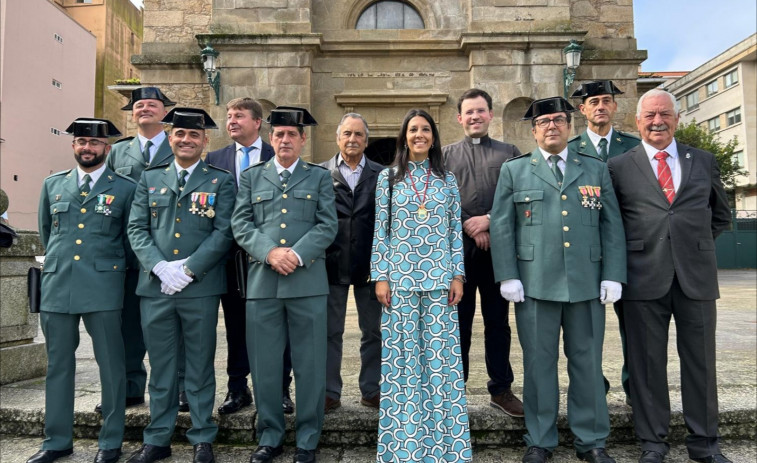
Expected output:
(720, 95)
(117, 24)
(382, 58)
(47, 77)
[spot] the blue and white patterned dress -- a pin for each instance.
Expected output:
(424, 415)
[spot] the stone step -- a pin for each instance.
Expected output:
(22, 414)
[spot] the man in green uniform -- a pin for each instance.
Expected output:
(285, 218)
(180, 231)
(602, 140)
(558, 251)
(83, 215)
(131, 156)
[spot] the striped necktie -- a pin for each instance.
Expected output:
(664, 177)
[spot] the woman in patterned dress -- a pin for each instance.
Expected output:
(417, 263)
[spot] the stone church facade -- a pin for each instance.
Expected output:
(316, 54)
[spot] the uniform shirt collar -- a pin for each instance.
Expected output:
(280, 168)
(156, 140)
(95, 175)
(189, 169)
(563, 154)
(595, 137)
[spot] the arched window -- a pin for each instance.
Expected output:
(389, 14)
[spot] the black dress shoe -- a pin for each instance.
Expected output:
(719, 458)
(108, 455)
(130, 402)
(183, 404)
(598, 455)
(46, 456)
(266, 454)
(149, 453)
(304, 456)
(203, 453)
(650, 456)
(536, 455)
(286, 403)
(235, 401)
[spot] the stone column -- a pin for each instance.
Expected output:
(20, 356)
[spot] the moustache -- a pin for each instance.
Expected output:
(658, 127)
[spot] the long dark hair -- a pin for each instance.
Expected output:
(402, 156)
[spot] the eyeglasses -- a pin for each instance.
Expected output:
(560, 121)
(93, 143)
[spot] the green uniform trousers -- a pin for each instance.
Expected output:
(165, 320)
(134, 344)
(583, 325)
(269, 322)
(61, 332)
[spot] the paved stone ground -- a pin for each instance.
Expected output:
(737, 377)
(18, 449)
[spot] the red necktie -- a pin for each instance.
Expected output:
(664, 177)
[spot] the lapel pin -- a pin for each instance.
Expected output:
(110, 177)
(57, 197)
(534, 161)
(618, 140)
(163, 191)
(583, 143)
(688, 155)
(215, 180)
(204, 169)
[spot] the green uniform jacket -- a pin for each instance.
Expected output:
(621, 142)
(85, 242)
(126, 159)
(544, 236)
(301, 216)
(163, 227)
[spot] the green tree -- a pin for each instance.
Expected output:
(694, 135)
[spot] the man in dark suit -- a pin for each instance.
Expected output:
(285, 219)
(243, 119)
(131, 156)
(348, 262)
(557, 251)
(180, 231)
(476, 160)
(603, 141)
(673, 206)
(83, 214)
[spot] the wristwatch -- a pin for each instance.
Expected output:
(187, 272)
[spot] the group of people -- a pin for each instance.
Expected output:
(165, 236)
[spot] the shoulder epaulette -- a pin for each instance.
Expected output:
(122, 139)
(63, 172)
(629, 135)
(218, 168)
(590, 156)
(125, 177)
(317, 165)
(577, 137)
(518, 157)
(159, 166)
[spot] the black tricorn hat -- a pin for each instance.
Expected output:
(597, 87)
(91, 127)
(291, 116)
(147, 93)
(189, 118)
(556, 104)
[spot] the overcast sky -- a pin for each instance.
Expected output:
(680, 35)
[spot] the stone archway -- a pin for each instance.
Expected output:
(381, 150)
(515, 130)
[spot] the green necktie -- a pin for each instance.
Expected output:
(555, 169)
(84, 188)
(285, 174)
(182, 178)
(603, 149)
(146, 152)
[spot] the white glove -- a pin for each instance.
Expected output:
(165, 289)
(609, 291)
(512, 290)
(172, 275)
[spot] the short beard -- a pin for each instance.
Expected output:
(97, 160)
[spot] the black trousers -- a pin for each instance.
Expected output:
(494, 309)
(647, 324)
(237, 364)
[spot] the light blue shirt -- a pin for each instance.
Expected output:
(157, 140)
(352, 176)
